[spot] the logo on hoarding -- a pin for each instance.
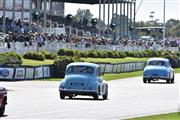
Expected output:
(4, 72)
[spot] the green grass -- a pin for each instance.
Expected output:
(109, 60)
(106, 76)
(170, 116)
(177, 70)
(114, 60)
(37, 62)
(122, 75)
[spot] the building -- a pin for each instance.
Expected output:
(22, 8)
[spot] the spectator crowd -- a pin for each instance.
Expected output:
(18, 33)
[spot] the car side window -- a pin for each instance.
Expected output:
(99, 71)
(168, 64)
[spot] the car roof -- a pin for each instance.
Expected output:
(159, 59)
(83, 64)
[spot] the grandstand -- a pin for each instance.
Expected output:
(27, 8)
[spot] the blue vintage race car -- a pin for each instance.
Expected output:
(158, 68)
(83, 79)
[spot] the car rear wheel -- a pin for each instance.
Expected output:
(149, 80)
(172, 80)
(105, 96)
(96, 95)
(62, 95)
(168, 81)
(2, 109)
(144, 80)
(70, 96)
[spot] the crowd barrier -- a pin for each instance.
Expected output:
(19, 47)
(42, 72)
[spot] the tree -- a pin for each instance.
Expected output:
(173, 27)
(84, 16)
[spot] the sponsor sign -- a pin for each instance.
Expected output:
(6, 73)
(46, 71)
(38, 72)
(20, 73)
(29, 73)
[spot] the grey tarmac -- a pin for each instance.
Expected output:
(127, 98)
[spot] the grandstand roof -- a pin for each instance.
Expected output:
(94, 1)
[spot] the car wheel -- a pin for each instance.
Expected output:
(149, 80)
(96, 95)
(144, 80)
(2, 109)
(168, 81)
(105, 96)
(70, 96)
(172, 80)
(62, 95)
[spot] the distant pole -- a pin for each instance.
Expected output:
(134, 32)
(22, 13)
(4, 16)
(104, 10)
(108, 16)
(45, 16)
(30, 15)
(99, 18)
(164, 25)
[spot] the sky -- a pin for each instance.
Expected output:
(147, 6)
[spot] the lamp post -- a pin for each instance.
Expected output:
(164, 27)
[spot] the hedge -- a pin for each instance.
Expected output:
(10, 58)
(34, 56)
(60, 64)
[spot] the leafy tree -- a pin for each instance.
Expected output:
(84, 16)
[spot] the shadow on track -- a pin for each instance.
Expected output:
(161, 83)
(4, 116)
(87, 99)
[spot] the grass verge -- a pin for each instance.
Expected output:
(170, 116)
(116, 76)
(114, 60)
(108, 60)
(37, 62)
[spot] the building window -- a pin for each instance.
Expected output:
(18, 5)
(27, 4)
(9, 4)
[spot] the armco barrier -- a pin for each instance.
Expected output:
(12, 73)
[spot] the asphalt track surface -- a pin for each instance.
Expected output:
(127, 98)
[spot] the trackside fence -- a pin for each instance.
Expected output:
(13, 73)
(122, 67)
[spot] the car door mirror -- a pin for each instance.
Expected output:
(100, 80)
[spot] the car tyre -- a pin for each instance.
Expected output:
(149, 80)
(144, 80)
(2, 109)
(172, 80)
(105, 96)
(70, 96)
(62, 95)
(96, 95)
(168, 81)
